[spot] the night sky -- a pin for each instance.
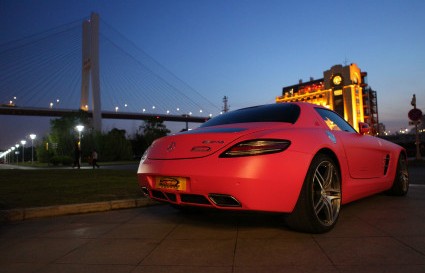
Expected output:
(248, 50)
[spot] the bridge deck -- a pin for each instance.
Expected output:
(47, 112)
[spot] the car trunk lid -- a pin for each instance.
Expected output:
(200, 142)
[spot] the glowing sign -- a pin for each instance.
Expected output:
(337, 92)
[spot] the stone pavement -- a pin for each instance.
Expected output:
(376, 234)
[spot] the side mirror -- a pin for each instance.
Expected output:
(364, 128)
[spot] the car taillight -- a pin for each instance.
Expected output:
(257, 147)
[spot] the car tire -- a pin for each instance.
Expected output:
(319, 202)
(401, 180)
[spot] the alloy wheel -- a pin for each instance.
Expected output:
(326, 193)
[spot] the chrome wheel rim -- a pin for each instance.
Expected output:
(326, 193)
(404, 175)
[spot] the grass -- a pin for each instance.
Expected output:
(37, 164)
(47, 187)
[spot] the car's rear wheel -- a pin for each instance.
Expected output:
(319, 203)
(401, 181)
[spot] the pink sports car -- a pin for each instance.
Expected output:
(299, 159)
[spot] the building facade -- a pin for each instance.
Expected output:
(343, 89)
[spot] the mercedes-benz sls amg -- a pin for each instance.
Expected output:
(299, 159)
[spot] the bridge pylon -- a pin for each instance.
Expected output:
(90, 70)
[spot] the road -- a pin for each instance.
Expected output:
(417, 175)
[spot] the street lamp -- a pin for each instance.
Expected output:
(23, 142)
(32, 136)
(79, 128)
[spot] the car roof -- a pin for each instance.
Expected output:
(300, 114)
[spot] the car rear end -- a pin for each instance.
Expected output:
(240, 160)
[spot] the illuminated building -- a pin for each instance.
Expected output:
(343, 89)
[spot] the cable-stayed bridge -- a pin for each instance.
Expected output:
(89, 65)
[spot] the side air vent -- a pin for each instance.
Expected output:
(386, 163)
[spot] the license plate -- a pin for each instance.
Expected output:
(171, 183)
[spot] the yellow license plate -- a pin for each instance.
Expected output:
(171, 183)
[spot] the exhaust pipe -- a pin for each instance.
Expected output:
(145, 191)
(224, 200)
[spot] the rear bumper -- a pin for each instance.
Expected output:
(212, 200)
(264, 183)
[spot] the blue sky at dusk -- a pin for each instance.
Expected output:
(249, 49)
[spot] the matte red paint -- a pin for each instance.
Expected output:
(269, 182)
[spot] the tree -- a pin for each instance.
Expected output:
(62, 135)
(154, 129)
(43, 152)
(60, 142)
(139, 144)
(114, 146)
(147, 133)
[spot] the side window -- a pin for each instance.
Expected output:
(334, 121)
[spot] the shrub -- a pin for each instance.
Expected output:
(67, 160)
(55, 160)
(61, 160)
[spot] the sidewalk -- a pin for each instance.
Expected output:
(380, 234)
(30, 213)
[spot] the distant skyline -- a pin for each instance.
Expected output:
(248, 50)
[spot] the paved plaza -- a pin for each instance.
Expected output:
(377, 234)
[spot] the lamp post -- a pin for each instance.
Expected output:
(17, 153)
(13, 151)
(79, 128)
(32, 136)
(6, 156)
(23, 142)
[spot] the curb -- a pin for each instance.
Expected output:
(40, 212)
